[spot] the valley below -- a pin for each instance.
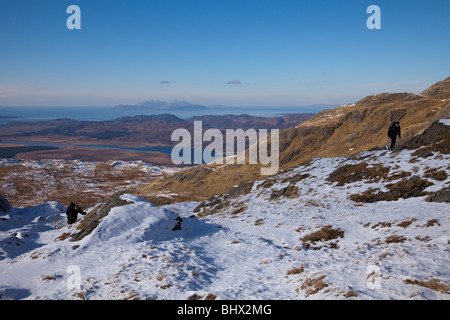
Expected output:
(127, 137)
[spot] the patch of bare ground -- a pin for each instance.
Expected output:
(259, 222)
(325, 234)
(220, 202)
(395, 239)
(398, 175)
(403, 224)
(405, 188)
(382, 225)
(350, 294)
(296, 178)
(431, 223)
(312, 286)
(436, 174)
(406, 223)
(296, 270)
(291, 191)
(362, 171)
(432, 284)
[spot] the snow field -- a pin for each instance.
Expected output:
(258, 253)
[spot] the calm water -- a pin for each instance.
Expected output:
(167, 150)
(8, 114)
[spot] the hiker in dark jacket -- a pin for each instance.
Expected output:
(393, 132)
(72, 212)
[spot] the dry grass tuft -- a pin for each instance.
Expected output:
(326, 233)
(195, 297)
(210, 296)
(431, 223)
(296, 270)
(259, 222)
(314, 285)
(432, 284)
(350, 294)
(63, 237)
(406, 223)
(395, 239)
(436, 174)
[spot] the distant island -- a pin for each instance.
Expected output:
(162, 106)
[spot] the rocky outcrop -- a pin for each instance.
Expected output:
(442, 195)
(5, 207)
(436, 138)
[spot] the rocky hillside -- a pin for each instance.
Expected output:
(342, 131)
(350, 129)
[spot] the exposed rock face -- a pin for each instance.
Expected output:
(4, 205)
(436, 138)
(442, 195)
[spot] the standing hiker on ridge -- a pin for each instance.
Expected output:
(393, 131)
(72, 212)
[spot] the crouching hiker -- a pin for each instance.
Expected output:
(72, 212)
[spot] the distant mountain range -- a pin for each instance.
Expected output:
(176, 105)
(135, 131)
(162, 106)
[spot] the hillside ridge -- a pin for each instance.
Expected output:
(342, 131)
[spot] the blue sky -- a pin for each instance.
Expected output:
(218, 52)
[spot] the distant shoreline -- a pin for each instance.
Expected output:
(27, 114)
(11, 152)
(52, 146)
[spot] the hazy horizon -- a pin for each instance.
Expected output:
(233, 53)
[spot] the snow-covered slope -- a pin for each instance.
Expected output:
(319, 231)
